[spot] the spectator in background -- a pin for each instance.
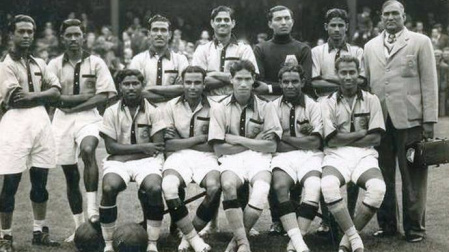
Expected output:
(364, 18)
(204, 38)
(420, 28)
(439, 40)
(49, 41)
(261, 37)
(127, 57)
(90, 42)
(88, 25)
(189, 51)
(177, 44)
(320, 41)
(107, 45)
(363, 34)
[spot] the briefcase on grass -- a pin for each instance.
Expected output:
(433, 152)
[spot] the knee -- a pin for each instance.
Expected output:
(87, 152)
(281, 189)
(170, 185)
(259, 195)
(39, 194)
(312, 189)
(153, 191)
(110, 190)
(213, 188)
(229, 188)
(330, 186)
(375, 192)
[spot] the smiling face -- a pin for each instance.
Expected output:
(23, 35)
(73, 38)
(281, 23)
(222, 24)
(348, 74)
(131, 88)
(159, 34)
(193, 85)
(291, 84)
(242, 82)
(393, 18)
(336, 28)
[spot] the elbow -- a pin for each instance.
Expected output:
(271, 147)
(316, 143)
(55, 95)
(376, 140)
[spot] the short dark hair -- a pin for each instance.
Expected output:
(122, 74)
(275, 9)
(158, 18)
(222, 8)
(290, 68)
(18, 19)
(71, 22)
(336, 13)
(242, 65)
(194, 69)
(390, 2)
(347, 59)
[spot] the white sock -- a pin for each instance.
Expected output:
(92, 208)
(6, 232)
(354, 238)
(38, 225)
(153, 230)
(79, 219)
(297, 240)
(108, 230)
(195, 240)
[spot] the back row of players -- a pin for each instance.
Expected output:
(218, 142)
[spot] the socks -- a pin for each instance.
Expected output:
(78, 219)
(153, 230)
(108, 230)
(6, 232)
(92, 208)
(297, 240)
(38, 225)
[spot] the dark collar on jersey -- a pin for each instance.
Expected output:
(340, 95)
(250, 102)
(282, 39)
(204, 100)
(344, 46)
(233, 40)
(141, 106)
(299, 100)
(84, 55)
(165, 54)
(16, 57)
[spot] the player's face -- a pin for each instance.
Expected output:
(73, 38)
(393, 18)
(291, 84)
(131, 88)
(23, 35)
(348, 75)
(446, 55)
(193, 85)
(159, 34)
(336, 28)
(222, 23)
(281, 23)
(242, 82)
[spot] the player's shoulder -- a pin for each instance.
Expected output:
(56, 60)
(318, 48)
(141, 56)
(369, 96)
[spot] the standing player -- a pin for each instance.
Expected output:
(281, 50)
(160, 66)
(217, 56)
(26, 139)
(192, 158)
(325, 80)
(244, 130)
(298, 158)
(86, 83)
(353, 123)
(132, 131)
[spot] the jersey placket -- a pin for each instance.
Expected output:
(30, 77)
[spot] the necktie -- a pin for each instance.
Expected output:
(391, 38)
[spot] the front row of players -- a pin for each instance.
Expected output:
(264, 143)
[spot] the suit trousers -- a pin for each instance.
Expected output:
(414, 182)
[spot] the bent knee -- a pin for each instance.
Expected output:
(312, 189)
(170, 186)
(375, 192)
(330, 186)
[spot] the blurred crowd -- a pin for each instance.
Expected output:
(118, 51)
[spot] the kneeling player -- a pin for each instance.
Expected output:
(353, 123)
(298, 158)
(132, 131)
(193, 159)
(244, 130)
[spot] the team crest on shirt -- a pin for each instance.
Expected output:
(144, 131)
(89, 84)
(361, 121)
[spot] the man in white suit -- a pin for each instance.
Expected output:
(401, 71)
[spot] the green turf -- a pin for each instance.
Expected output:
(61, 223)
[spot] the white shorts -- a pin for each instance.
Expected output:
(351, 161)
(246, 164)
(192, 165)
(298, 163)
(26, 140)
(135, 170)
(70, 130)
